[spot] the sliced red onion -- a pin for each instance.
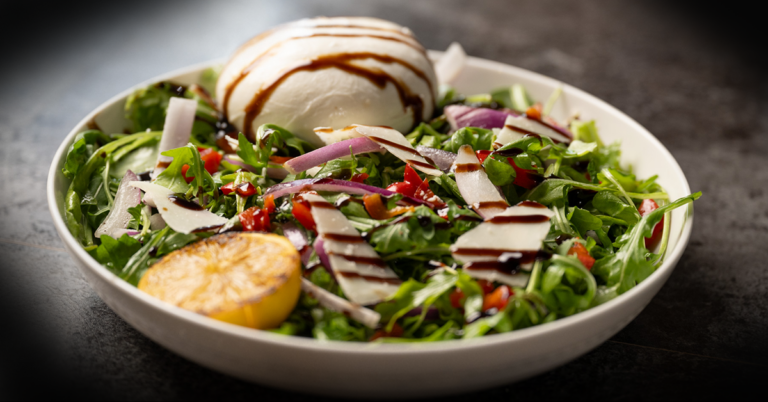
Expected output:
(367, 317)
(450, 65)
(298, 238)
(443, 159)
(465, 116)
(119, 217)
(177, 129)
(327, 153)
(340, 186)
(320, 250)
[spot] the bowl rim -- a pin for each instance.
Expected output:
(249, 334)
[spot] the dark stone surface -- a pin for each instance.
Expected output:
(693, 76)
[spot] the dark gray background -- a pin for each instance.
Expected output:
(694, 75)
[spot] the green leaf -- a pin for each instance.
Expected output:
(567, 286)
(610, 204)
(500, 173)
(477, 138)
(585, 131)
(550, 191)
(81, 149)
(584, 221)
(172, 177)
(521, 101)
(115, 254)
(630, 265)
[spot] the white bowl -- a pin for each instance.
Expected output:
(392, 370)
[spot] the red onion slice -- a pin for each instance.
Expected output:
(298, 238)
(367, 317)
(327, 153)
(443, 159)
(119, 217)
(465, 116)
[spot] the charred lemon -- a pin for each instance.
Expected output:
(249, 279)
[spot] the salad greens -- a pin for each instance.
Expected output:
(606, 232)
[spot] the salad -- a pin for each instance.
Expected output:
(488, 217)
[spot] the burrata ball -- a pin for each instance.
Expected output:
(328, 72)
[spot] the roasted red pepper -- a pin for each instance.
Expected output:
(255, 219)
(359, 177)
(522, 178)
(303, 214)
(498, 298)
(184, 173)
(211, 158)
(409, 185)
(269, 204)
(228, 188)
(645, 208)
(582, 254)
(397, 331)
(245, 189)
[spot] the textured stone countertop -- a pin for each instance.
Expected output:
(695, 79)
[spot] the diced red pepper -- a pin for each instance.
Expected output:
(397, 331)
(184, 173)
(645, 208)
(487, 286)
(534, 111)
(582, 254)
(521, 176)
(376, 208)
(411, 177)
(457, 296)
(228, 188)
(303, 214)
(403, 188)
(245, 189)
(211, 158)
(269, 204)
(498, 298)
(255, 219)
(359, 177)
(482, 155)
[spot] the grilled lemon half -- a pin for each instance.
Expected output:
(249, 279)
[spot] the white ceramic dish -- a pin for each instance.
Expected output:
(392, 370)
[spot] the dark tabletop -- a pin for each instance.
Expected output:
(694, 76)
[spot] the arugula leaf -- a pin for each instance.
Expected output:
(477, 138)
(332, 325)
(586, 131)
(550, 191)
(610, 204)
(499, 172)
(521, 101)
(115, 254)
(567, 286)
(630, 265)
(172, 177)
(81, 149)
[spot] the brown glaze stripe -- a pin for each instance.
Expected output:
(490, 204)
(545, 124)
(343, 238)
(522, 131)
(354, 275)
(530, 204)
(163, 164)
(421, 164)
(519, 219)
(321, 204)
(341, 62)
(467, 167)
(394, 145)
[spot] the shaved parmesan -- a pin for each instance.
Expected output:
(363, 276)
(475, 186)
(398, 145)
(179, 218)
(516, 127)
(367, 317)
